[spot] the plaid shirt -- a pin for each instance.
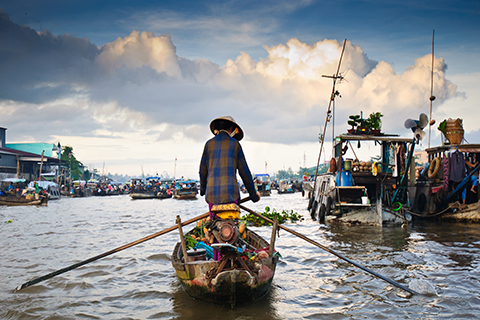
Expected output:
(222, 157)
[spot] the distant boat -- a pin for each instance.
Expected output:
(262, 184)
(23, 201)
(185, 189)
(53, 191)
(143, 195)
(285, 186)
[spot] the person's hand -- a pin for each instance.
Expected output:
(258, 197)
(473, 189)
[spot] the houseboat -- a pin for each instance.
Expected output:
(364, 191)
(447, 187)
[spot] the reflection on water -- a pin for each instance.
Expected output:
(438, 259)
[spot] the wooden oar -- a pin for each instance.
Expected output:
(131, 244)
(332, 252)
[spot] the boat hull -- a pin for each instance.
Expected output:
(200, 279)
(164, 195)
(228, 287)
(184, 195)
(144, 195)
(22, 201)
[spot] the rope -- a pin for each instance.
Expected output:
(450, 206)
(327, 192)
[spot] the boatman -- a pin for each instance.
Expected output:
(222, 158)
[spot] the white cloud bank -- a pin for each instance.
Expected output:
(135, 101)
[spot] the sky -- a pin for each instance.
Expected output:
(132, 86)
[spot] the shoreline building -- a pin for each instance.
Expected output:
(25, 160)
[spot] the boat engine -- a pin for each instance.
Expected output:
(226, 231)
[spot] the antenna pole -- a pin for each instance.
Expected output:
(432, 97)
(331, 100)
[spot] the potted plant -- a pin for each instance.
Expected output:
(372, 125)
(375, 122)
(354, 122)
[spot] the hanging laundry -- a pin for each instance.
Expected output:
(445, 173)
(395, 161)
(457, 166)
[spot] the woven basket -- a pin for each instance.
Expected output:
(454, 131)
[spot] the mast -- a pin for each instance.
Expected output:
(432, 97)
(329, 115)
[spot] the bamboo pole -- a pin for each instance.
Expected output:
(18, 167)
(182, 239)
(41, 165)
(273, 237)
(301, 236)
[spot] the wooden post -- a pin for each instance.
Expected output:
(273, 237)
(412, 181)
(41, 165)
(182, 239)
(18, 167)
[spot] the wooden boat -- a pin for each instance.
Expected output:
(232, 280)
(81, 192)
(143, 195)
(185, 189)
(285, 186)
(433, 197)
(363, 192)
(23, 201)
(50, 187)
(164, 194)
(262, 184)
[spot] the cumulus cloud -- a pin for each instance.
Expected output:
(139, 81)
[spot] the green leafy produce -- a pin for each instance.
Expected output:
(282, 217)
(190, 242)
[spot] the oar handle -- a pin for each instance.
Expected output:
(245, 199)
(331, 251)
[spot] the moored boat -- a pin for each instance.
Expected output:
(364, 192)
(436, 196)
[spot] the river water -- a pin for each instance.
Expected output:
(440, 260)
